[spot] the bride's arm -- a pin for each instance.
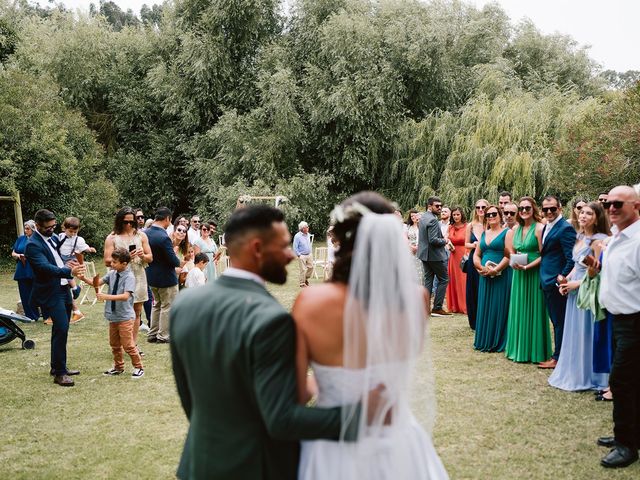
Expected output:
(302, 354)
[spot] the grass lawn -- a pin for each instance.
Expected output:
(495, 419)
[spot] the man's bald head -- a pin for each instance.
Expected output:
(623, 205)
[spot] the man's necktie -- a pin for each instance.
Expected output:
(115, 292)
(53, 243)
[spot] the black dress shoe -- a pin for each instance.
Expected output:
(609, 442)
(152, 339)
(63, 380)
(602, 398)
(619, 457)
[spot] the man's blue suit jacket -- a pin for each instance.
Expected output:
(46, 273)
(557, 254)
(161, 272)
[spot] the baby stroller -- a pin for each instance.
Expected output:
(9, 330)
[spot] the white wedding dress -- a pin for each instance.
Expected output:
(384, 335)
(327, 460)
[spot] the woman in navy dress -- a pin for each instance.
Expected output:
(491, 260)
(474, 231)
(24, 274)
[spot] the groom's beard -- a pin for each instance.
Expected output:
(272, 271)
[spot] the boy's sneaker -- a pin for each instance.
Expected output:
(113, 372)
(140, 352)
(137, 373)
(144, 328)
(76, 292)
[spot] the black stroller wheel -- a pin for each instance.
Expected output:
(28, 344)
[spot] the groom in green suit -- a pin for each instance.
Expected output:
(233, 347)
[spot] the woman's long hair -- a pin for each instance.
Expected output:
(601, 225)
(118, 225)
(534, 208)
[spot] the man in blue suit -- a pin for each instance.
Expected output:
(161, 275)
(558, 239)
(51, 290)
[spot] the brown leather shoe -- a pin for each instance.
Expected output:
(69, 372)
(64, 380)
(441, 313)
(548, 364)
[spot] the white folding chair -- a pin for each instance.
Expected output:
(311, 236)
(319, 260)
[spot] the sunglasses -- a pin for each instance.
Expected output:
(492, 214)
(578, 207)
(602, 200)
(549, 209)
(181, 230)
(205, 229)
(507, 213)
(524, 209)
(480, 207)
(139, 216)
(437, 205)
(133, 223)
(616, 204)
(195, 221)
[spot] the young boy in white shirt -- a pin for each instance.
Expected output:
(70, 243)
(196, 276)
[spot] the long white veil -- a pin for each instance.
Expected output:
(384, 335)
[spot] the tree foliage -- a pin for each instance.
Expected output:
(196, 102)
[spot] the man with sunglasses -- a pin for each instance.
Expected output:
(433, 254)
(194, 229)
(140, 219)
(509, 213)
(558, 240)
(620, 295)
(51, 290)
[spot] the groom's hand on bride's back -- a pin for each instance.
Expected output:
(378, 404)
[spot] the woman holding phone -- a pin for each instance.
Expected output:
(126, 235)
(574, 371)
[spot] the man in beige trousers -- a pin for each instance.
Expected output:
(302, 249)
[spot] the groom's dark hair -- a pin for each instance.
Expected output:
(255, 218)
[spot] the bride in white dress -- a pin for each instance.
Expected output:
(364, 329)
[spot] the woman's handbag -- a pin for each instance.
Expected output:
(464, 263)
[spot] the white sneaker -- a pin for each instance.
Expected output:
(144, 328)
(137, 373)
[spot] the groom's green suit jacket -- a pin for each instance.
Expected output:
(233, 347)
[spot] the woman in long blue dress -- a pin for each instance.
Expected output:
(574, 371)
(491, 259)
(474, 231)
(205, 244)
(24, 274)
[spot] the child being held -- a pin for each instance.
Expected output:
(196, 276)
(69, 244)
(118, 310)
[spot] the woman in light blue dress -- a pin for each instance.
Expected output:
(574, 371)
(205, 244)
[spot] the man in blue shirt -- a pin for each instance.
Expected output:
(302, 249)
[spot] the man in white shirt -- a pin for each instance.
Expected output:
(620, 295)
(194, 229)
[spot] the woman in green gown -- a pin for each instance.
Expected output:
(491, 259)
(528, 333)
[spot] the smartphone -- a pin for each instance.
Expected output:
(587, 261)
(132, 247)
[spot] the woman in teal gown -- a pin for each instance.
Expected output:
(495, 285)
